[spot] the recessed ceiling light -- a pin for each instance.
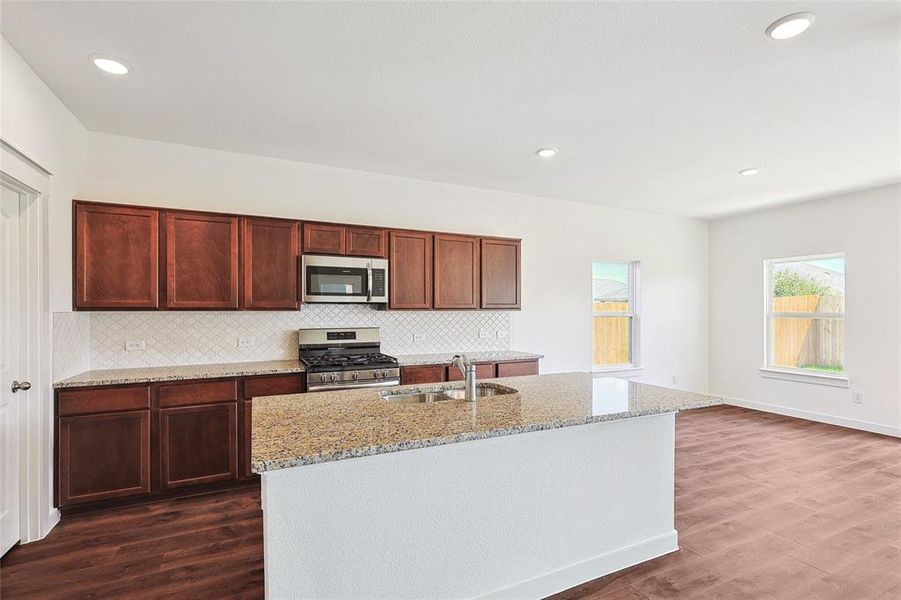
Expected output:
(749, 172)
(546, 152)
(790, 26)
(110, 65)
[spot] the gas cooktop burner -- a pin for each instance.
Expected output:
(339, 361)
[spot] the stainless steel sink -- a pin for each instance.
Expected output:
(416, 397)
(483, 390)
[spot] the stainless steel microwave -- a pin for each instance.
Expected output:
(344, 279)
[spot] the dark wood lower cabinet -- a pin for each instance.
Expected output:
(483, 371)
(421, 374)
(198, 444)
(103, 456)
(515, 369)
(131, 443)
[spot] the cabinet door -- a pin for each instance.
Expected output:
(514, 369)
(103, 456)
(201, 260)
(268, 264)
(410, 275)
(483, 371)
(421, 374)
(367, 241)
(321, 238)
(116, 257)
(456, 271)
(500, 273)
(198, 444)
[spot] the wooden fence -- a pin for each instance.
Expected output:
(812, 343)
(612, 335)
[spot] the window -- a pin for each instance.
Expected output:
(805, 320)
(614, 288)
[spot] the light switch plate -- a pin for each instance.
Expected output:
(134, 345)
(418, 337)
(502, 334)
(245, 342)
(484, 334)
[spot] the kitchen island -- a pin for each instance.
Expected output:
(519, 494)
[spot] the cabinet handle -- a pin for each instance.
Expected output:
(24, 386)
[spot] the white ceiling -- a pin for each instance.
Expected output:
(654, 106)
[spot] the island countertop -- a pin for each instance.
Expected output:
(302, 429)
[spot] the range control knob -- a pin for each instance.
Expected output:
(333, 376)
(323, 377)
(377, 374)
(356, 375)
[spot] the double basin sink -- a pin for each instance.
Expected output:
(483, 390)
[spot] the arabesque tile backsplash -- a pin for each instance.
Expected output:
(172, 338)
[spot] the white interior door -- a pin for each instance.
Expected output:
(10, 366)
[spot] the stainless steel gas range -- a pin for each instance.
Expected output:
(340, 359)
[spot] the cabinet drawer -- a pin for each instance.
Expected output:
(109, 399)
(273, 385)
(422, 374)
(483, 371)
(201, 392)
(513, 369)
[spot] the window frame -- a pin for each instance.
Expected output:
(634, 364)
(772, 371)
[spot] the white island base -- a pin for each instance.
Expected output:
(515, 516)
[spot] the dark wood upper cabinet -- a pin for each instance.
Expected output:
(500, 273)
(116, 257)
(201, 251)
(103, 456)
(269, 253)
(410, 275)
(456, 271)
(367, 241)
(322, 238)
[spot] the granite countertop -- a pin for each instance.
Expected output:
(303, 429)
(179, 372)
(445, 358)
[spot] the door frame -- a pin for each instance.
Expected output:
(37, 515)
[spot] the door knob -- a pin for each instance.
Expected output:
(24, 386)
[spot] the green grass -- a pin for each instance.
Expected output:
(825, 368)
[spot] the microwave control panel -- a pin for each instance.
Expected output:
(378, 282)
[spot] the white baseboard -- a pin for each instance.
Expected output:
(598, 566)
(815, 416)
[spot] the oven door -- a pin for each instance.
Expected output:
(341, 279)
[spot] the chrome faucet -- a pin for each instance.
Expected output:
(468, 369)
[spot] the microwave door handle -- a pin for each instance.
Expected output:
(369, 281)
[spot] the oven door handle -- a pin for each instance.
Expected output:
(369, 281)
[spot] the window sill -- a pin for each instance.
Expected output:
(814, 378)
(625, 371)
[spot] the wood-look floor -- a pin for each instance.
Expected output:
(766, 507)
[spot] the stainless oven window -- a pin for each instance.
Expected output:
(336, 281)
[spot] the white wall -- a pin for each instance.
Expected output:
(37, 124)
(560, 239)
(865, 226)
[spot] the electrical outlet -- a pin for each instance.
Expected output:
(246, 342)
(484, 334)
(857, 397)
(502, 334)
(675, 380)
(418, 337)
(134, 345)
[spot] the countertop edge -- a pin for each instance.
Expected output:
(443, 358)
(261, 467)
(68, 383)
